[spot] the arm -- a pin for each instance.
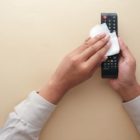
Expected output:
(28, 118)
(26, 122)
(126, 85)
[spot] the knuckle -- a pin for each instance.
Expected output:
(97, 37)
(92, 48)
(84, 68)
(133, 61)
(126, 47)
(100, 54)
(67, 57)
(98, 45)
(86, 43)
(102, 42)
(74, 60)
(86, 40)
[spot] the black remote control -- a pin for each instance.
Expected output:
(109, 68)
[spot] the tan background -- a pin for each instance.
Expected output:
(34, 37)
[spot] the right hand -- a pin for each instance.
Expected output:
(126, 84)
(76, 67)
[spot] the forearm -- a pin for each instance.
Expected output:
(53, 91)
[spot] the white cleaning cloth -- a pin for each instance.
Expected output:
(102, 28)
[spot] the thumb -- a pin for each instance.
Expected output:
(124, 49)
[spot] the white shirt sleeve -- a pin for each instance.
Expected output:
(28, 118)
(133, 109)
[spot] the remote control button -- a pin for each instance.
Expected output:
(104, 65)
(114, 57)
(114, 17)
(104, 17)
(105, 68)
(112, 67)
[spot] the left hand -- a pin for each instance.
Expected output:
(126, 85)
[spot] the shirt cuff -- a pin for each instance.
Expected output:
(133, 109)
(35, 110)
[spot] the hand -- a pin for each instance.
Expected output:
(126, 84)
(76, 67)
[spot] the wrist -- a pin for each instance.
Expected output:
(129, 92)
(53, 91)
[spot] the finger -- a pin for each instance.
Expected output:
(97, 58)
(87, 53)
(124, 49)
(93, 40)
(88, 42)
(78, 49)
(98, 65)
(95, 67)
(82, 47)
(104, 58)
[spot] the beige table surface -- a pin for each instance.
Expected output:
(35, 35)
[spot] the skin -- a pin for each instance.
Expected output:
(126, 85)
(80, 65)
